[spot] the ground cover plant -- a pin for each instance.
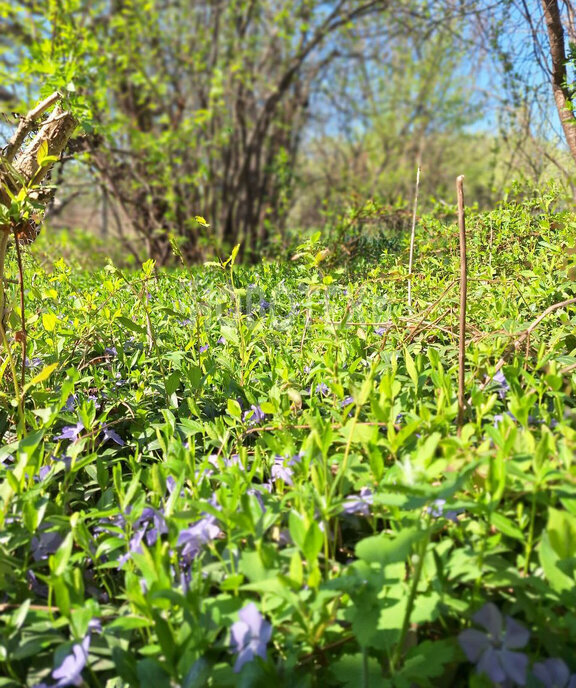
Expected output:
(231, 476)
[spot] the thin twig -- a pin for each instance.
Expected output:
(23, 333)
(412, 237)
(463, 289)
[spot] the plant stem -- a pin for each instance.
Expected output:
(398, 650)
(463, 294)
(412, 238)
(24, 335)
(3, 244)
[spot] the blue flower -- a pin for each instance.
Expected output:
(282, 468)
(492, 651)
(554, 673)
(193, 538)
(71, 432)
(111, 351)
(322, 388)
(110, 434)
(346, 402)
(255, 415)
(44, 544)
(437, 510)
(204, 348)
(249, 636)
(70, 404)
(502, 384)
(359, 504)
(69, 673)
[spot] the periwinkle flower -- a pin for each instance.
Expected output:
(193, 538)
(492, 651)
(44, 544)
(254, 415)
(322, 389)
(359, 504)
(282, 468)
(346, 402)
(221, 340)
(70, 404)
(111, 351)
(554, 673)
(380, 331)
(436, 510)
(32, 362)
(110, 434)
(264, 305)
(249, 636)
(71, 432)
(204, 348)
(69, 673)
(502, 384)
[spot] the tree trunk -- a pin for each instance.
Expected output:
(562, 92)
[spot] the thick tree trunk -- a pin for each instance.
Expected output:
(562, 92)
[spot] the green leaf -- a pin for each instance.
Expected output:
(42, 152)
(385, 549)
(561, 531)
(59, 561)
(234, 408)
(49, 321)
(44, 374)
(506, 526)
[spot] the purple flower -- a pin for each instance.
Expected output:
(69, 672)
(322, 388)
(45, 544)
(33, 363)
(254, 415)
(499, 417)
(204, 348)
(71, 432)
(502, 384)
(554, 673)
(148, 526)
(249, 636)
(437, 510)
(193, 538)
(380, 331)
(346, 402)
(111, 351)
(110, 434)
(307, 369)
(282, 468)
(359, 504)
(43, 472)
(264, 305)
(491, 651)
(221, 341)
(70, 404)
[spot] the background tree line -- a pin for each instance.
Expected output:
(264, 115)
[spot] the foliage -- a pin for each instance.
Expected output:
(259, 470)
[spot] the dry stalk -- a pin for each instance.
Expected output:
(463, 295)
(412, 237)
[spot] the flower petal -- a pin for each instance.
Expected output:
(490, 665)
(515, 665)
(489, 617)
(516, 636)
(474, 643)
